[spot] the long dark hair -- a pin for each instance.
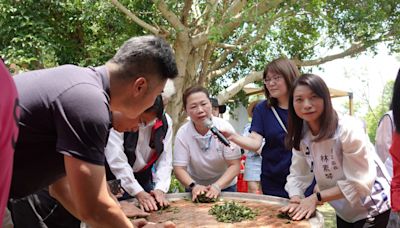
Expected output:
(396, 102)
(284, 67)
(328, 119)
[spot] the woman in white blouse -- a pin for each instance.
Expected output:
(201, 162)
(337, 152)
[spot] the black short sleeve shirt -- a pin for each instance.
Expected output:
(64, 111)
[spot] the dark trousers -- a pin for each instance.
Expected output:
(232, 188)
(40, 210)
(379, 221)
(145, 180)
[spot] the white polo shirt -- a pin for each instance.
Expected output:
(204, 156)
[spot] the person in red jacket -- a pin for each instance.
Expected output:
(395, 148)
(8, 134)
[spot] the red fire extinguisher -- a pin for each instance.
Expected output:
(241, 183)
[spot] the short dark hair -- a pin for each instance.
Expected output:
(145, 55)
(396, 102)
(328, 118)
(215, 104)
(157, 108)
(284, 67)
(193, 89)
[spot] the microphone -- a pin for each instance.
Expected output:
(208, 123)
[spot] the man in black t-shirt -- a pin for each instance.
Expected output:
(66, 114)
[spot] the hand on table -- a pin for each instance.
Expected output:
(213, 191)
(198, 190)
(131, 210)
(146, 201)
(159, 196)
(302, 209)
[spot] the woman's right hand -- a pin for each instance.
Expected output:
(198, 190)
(289, 209)
(295, 199)
(303, 209)
(293, 205)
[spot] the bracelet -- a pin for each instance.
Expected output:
(216, 186)
(192, 185)
(319, 198)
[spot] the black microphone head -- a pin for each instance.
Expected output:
(208, 123)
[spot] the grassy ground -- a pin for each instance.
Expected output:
(329, 215)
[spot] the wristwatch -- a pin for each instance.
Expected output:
(191, 185)
(319, 198)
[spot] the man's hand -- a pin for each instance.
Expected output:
(146, 201)
(131, 210)
(159, 196)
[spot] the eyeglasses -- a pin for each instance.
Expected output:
(274, 78)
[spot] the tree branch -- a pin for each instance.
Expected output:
(185, 12)
(227, 28)
(354, 49)
(211, 5)
(211, 20)
(238, 85)
(234, 8)
(200, 39)
(169, 15)
(223, 70)
(258, 9)
(229, 48)
(206, 60)
(134, 18)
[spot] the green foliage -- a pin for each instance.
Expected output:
(373, 116)
(362, 20)
(305, 29)
(43, 33)
(175, 186)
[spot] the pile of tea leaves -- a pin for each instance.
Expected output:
(204, 199)
(231, 212)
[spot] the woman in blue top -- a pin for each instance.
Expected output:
(278, 78)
